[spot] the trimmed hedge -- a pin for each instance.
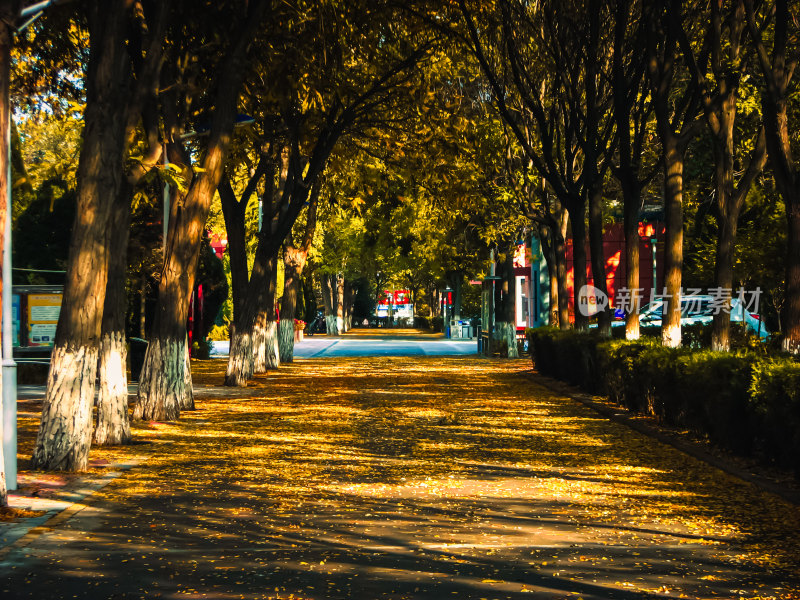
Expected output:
(745, 401)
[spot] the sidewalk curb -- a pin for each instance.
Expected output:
(31, 528)
(621, 415)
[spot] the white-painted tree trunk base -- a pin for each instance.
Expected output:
(65, 432)
(507, 332)
(286, 340)
(240, 359)
(162, 384)
(332, 325)
(671, 336)
(260, 348)
(187, 401)
(113, 425)
(511, 339)
(268, 355)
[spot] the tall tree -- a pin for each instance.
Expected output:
(146, 52)
(781, 20)
(719, 82)
(543, 63)
(294, 260)
(633, 115)
(317, 103)
(65, 431)
(165, 382)
(676, 107)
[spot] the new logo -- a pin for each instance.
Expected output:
(591, 300)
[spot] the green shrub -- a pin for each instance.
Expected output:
(637, 374)
(714, 397)
(745, 401)
(775, 401)
(201, 349)
(568, 355)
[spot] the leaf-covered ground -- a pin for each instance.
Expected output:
(409, 478)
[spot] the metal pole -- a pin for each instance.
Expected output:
(9, 366)
(653, 242)
(491, 304)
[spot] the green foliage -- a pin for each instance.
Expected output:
(42, 234)
(50, 146)
(775, 402)
(743, 401)
(201, 350)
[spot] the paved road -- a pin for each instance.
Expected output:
(408, 477)
(322, 346)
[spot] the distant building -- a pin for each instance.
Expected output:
(533, 279)
(395, 304)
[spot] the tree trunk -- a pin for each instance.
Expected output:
(266, 325)
(598, 258)
(163, 386)
(187, 400)
(349, 300)
(330, 298)
(723, 145)
(777, 71)
(241, 357)
(546, 238)
(294, 259)
(790, 315)
(578, 221)
(65, 431)
(285, 339)
(629, 152)
(233, 214)
(339, 290)
(327, 302)
(631, 206)
(143, 306)
(113, 426)
(560, 249)
(248, 335)
(673, 246)
(268, 356)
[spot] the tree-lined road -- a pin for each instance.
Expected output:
(376, 343)
(408, 477)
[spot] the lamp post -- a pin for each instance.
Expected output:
(653, 242)
(447, 291)
(9, 400)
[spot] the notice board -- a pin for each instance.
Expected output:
(43, 311)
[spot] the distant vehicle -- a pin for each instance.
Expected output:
(316, 326)
(698, 309)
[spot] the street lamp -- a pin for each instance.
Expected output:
(653, 242)
(446, 324)
(9, 374)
